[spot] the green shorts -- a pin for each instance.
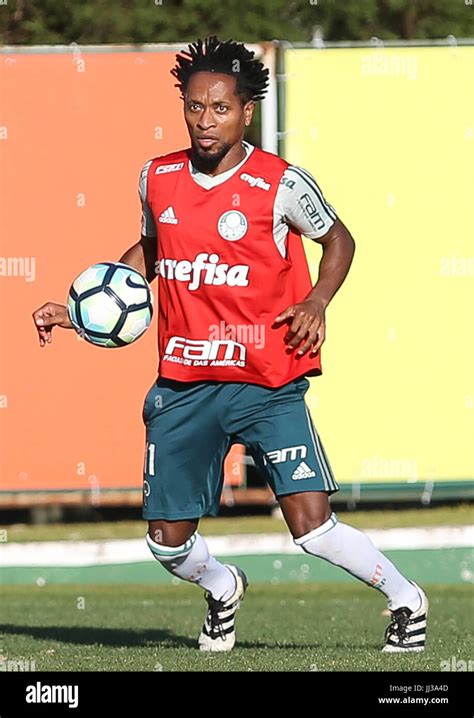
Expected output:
(191, 425)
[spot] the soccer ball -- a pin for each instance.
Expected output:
(110, 304)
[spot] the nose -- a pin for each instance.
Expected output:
(206, 120)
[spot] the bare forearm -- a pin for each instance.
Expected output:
(334, 265)
(142, 256)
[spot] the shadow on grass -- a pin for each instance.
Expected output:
(151, 638)
(116, 637)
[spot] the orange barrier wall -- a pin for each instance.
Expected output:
(75, 131)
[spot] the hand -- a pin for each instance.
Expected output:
(48, 316)
(308, 325)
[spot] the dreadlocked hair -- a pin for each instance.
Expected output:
(229, 57)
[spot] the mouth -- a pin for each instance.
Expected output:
(206, 142)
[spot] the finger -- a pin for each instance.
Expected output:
(44, 336)
(295, 325)
(286, 314)
(39, 317)
(44, 310)
(41, 326)
(307, 344)
(320, 340)
(296, 337)
(310, 336)
(41, 336)
(39, 321)
(45, 317)
(44, 332)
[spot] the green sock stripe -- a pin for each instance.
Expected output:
(170, 551)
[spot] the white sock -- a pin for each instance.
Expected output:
(352, 550)
(192, 562)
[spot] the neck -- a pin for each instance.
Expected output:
(213, 167)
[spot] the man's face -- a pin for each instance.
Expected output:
(214, 114)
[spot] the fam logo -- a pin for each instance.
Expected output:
(289, 453)
(202, 352)
(308, 207)
(232, 225)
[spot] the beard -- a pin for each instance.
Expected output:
(207, 162)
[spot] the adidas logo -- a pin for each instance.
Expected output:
(303, 471)
(168, 216)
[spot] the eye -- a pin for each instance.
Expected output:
(222, 108)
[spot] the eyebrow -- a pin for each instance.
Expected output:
(216, 102)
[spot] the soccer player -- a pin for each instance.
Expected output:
(240, 328)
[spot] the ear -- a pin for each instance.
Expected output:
(249, 107)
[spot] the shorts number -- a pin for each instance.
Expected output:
(150, 459)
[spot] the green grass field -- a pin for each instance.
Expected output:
(280, 627)
(286, 627)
